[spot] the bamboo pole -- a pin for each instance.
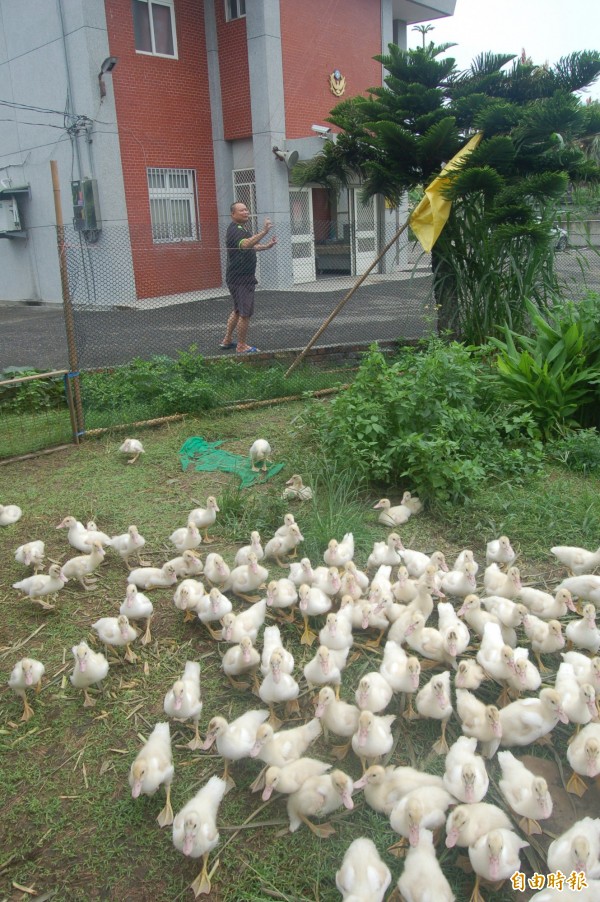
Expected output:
(66, 297)
(32, 454)
(35, 376)
(347, 297)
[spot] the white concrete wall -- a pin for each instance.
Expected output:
(36, 66)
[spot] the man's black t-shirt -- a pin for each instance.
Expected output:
(241, 264)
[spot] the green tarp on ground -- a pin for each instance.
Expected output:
(208, 456)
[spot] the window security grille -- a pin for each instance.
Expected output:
(173, 204)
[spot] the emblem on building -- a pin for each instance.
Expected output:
(337, 83)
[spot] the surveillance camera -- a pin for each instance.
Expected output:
(321, 129)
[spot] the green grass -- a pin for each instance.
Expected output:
(69, 823)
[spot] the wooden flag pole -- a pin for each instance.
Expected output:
(347, 297)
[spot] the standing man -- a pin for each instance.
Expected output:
(240, 275)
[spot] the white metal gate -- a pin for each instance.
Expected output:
(302, 234)
(364, 245)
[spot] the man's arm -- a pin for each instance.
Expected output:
(267, 246)
(247, 243)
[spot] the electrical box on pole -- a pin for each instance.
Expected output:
(86, 207)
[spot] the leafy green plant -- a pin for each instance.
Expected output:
(578, 451)
(33, 395)
(547, 373)
(430, 420)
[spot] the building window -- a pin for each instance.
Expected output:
(173, 205)
(154, 27)
(235, 9)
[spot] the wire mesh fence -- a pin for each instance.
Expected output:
(148, 316)
(37, 413)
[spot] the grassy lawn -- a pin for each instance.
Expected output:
(70, 827)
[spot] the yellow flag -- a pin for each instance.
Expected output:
(430, 215)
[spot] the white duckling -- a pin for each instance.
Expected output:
(433, 700)
(337, 554)
(31, 554)
(528, 719)
(90, 668)
(212, 609)
(453, 630)
(584, 633)
(583, 754)
(132, 446)
(290, 541)
(526, 793)
(465, 776)
(190, 597)
(416, 562)
(466, 823)
(9, 514)
(494, 655)
(337, 632)
(363, 877)
(187, 565)
(500, 551)
(361, 578)
(130, 542)
(76, 535)
(153, 577)
(404, 589)
(546, 606)
(183, 701)
(117, 632)
(469, 675)
(296, 490)
(246, 623)
(82, 566)
(246, 578)
(523, 675)
(479, 720)
(578, 561)
(36, 587)
(234, 740)
(153, 768)
(545, 637)
(240, 659)
(260, 452)
(373, 738)
(429, 642)
(374, 693)
(577, 849)
(138, 606)
(204, 517)
(460, 583)
(277, 749)
(507, 585)
(327, 579)
(26, 673)
(384, 786)
(392, 516)
(255, 546)
(586, 587)
(216, 571)
(424, 807)
(96, 535)
(586, 670)
(288, 520)
(402, 672)
(317, 797)
(312, 602)
(476, 616)
(322, 670)
(495, 856)
(186, 537)
(195, 829)
(414, 504)
(291, 777)
(422, 875)
(577, 701)
(272, 641)
(466, 556)
(301, 572)
(388, 552)
(337, 717)
(279, 686)
(282, 594)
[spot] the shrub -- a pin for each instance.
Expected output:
(430, 419)
(578, 451)
(30, 397)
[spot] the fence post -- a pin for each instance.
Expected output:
(67, 304)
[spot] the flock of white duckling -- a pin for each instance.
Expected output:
(396, 601)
